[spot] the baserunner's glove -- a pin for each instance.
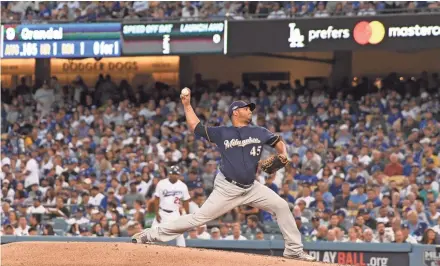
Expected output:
(274, 163)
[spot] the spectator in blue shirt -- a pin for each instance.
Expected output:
(394, 115)
(416, 227)
(407, 167)
(308, 177)
(427, 117)
(372, 197)
(359, 198)
(418, 153)
(263, 100)
(302, 228)
(377, 163)
(326, 194)
(415, 169)
(432, 214)
(321, 114)
(323, 135)
(90, 16)
(295, 161)
(354, 180)
(285, 193)
(45, 12)
(286, 131)
(109, 198)
(5, 210)
(300, 119)
(289, 107)
(270, 184)
(344, 136)
(318, 199)
(336, 186)
(266, 216)
(194, 181)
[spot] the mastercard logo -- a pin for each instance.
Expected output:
(369, 32)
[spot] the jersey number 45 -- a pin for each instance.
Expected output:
(256, 150)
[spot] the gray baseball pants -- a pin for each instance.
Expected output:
(225, 197)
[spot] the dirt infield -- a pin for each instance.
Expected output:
(117, 254)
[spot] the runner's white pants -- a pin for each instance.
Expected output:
(225, 197)
(169, 217)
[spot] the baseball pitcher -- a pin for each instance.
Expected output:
(240, 146)
(169, 195)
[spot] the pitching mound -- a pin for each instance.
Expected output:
(109, 254)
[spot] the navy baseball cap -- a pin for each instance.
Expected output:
(431, 173)
(364, 211)
(174, 170)
(83, 229)
(340, 213)
(239, 104)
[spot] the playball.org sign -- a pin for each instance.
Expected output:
(345, 33)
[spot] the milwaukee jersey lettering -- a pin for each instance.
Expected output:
(241, 149)
(240, 143)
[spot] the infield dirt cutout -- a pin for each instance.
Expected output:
(112, 254)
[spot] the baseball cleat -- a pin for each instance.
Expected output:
(136, 238)
(141, 238)
(300, 256)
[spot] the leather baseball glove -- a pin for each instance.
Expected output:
(274, 163)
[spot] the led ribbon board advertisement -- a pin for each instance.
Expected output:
(61, 40)
(175, 38)
(408, 32)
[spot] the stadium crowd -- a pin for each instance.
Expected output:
(92, 11)
(84, 161)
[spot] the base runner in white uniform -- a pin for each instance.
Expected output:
(170, 195)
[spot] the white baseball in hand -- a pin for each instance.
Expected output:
(185, 91)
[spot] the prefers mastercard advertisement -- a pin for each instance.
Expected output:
(409, 32)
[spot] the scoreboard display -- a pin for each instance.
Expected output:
(61, 40)
(175, 38)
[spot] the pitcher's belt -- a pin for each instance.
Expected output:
(238, 184)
